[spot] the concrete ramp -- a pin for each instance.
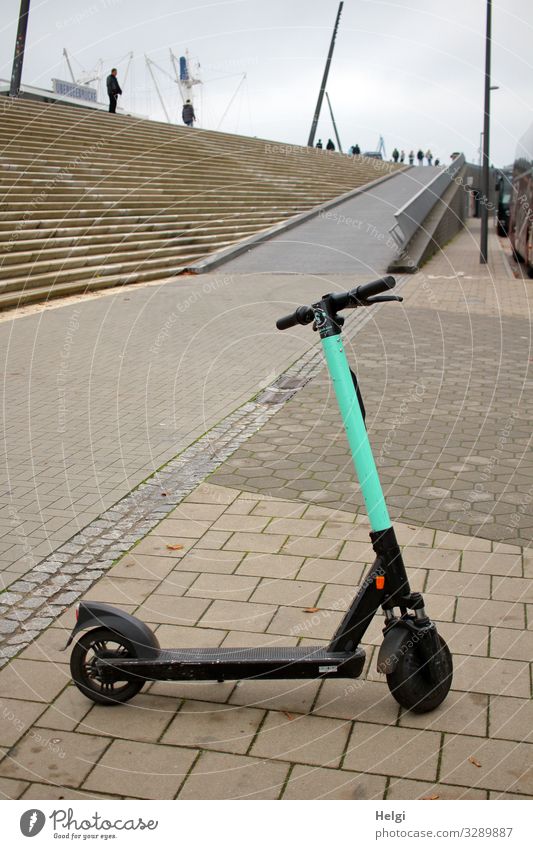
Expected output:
(353, 237)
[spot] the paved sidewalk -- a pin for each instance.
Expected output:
(259, 571)
(446, 382)
(272, 536)
(99, 394)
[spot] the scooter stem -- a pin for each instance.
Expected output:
(363, 459)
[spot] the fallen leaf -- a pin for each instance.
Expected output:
(174, 547)
(311, 610)
(288, 715)
(429, 798)
(474, 761)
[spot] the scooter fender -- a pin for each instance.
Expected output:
(390, 650)
(94, 614)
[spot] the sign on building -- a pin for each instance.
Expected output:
(76, 90)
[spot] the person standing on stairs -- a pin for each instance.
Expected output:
(187, 114)
(113, 90)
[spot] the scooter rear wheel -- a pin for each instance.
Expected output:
(92, 646)
(411, 683)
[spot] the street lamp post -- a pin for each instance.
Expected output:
(483, 255)
(20, 44)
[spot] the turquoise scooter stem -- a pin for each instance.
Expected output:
(363, 458)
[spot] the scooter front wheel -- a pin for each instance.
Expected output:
(100, 644)
(413, 682)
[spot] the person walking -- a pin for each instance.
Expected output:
(429, 156)
(356, 150)
(420, 157)
(402, 157)
(113, 89)
(395, 154)
(187, 114)
(330, 145)
(411, 157)
(437, 163)
(319, 144)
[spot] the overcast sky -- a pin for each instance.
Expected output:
(410, 70)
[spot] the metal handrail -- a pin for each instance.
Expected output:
(411, 215)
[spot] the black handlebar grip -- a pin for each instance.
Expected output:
(302, 315)
(375, 287)
(286, 322)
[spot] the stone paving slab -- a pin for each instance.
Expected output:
(278, 740)
(446, 382)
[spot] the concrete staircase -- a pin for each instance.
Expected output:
(91, 200)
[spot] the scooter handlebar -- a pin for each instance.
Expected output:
(302, 315)
(359, 296)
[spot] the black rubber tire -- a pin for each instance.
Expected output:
(410, 684)
(114, 694)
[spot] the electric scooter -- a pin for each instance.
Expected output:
(118, 653)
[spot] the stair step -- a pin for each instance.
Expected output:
(89, 201)
(50, 245)
(173, 265)
(74, 287)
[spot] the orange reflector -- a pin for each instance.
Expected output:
(380, 582)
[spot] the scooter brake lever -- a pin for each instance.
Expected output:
(379, 299)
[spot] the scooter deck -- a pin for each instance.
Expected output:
(221, 664)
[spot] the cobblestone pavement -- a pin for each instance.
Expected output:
(447, 387)
(100, 393)
(260, 571)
